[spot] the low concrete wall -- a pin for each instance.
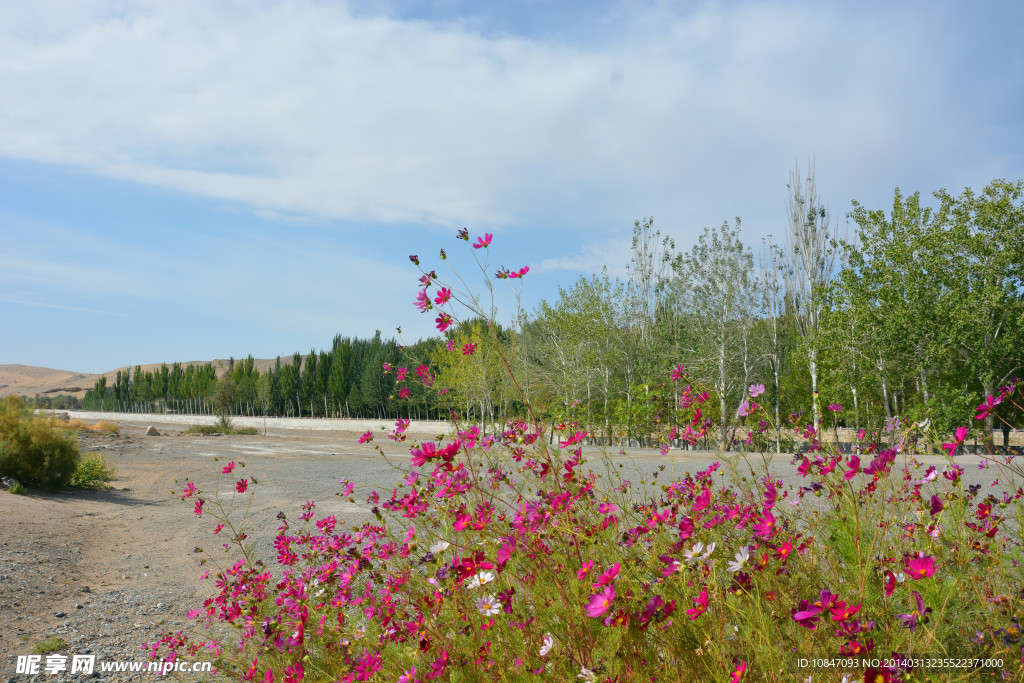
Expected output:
(428, 427)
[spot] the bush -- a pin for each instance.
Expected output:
(94, 471)
(32, 449)
(500, 557)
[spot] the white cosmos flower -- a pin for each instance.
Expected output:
(439, 547)
(741, 560)
(546, 644)
(479, 579)
(488, 606)
(693, 554)
(587, 675)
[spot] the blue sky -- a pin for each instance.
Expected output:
(196, 180)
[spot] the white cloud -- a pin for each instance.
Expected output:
(304, 108)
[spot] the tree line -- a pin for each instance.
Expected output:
(917, 316)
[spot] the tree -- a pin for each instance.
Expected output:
(811, 251)
(723, 302)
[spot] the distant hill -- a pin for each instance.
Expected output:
(27, 380)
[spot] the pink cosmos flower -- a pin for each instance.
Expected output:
(738, 672)
(678, 372)
(468, 349)
(484, 241)
(444, 321)
(422, 301)
(918, 615)
(584, 569)
(230, 466)
(920, 567)
(987, 406)
(854, 464)
(519, 273)
(755, 390)
(600, 602)
(404, 392)
(242, 485)
(608, 576)
(835, 407)
(443, 296)
(702, 605)
(765, 527)
(367, 436)
(958, 438)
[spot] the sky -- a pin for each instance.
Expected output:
(196, 180)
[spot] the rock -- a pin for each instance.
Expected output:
(151, 431)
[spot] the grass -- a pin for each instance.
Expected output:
(100, 426)
(51, 644)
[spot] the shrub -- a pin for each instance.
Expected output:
(32, 449)
(499, 557)
(94, 471)
(221, 427)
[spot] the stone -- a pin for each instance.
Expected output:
(152, 431)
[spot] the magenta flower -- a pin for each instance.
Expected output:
(468, 349)
(404, 392)
(242, 485)
(484, 241)
(835, 407)
(608, 576)
(987, 406)
(443, 296)
(958, 438)
(919, 615)
(230, 466)
(444, 321)
(936, 505)
(678, 372)
(920, 567)
(854, 464)
(366, 436)
(600, 602)
(422, 301)
(702, 605)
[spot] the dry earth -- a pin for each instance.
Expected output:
(109, 570)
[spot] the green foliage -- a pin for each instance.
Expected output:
(94, 471)
(222, 426)
(32, 449)
(51, 644)
(18, 489)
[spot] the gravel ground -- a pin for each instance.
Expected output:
(109, 570)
